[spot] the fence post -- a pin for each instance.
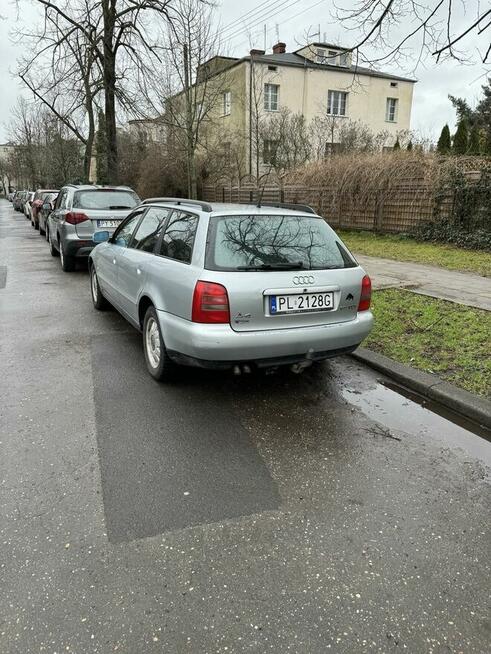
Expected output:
(379, 212)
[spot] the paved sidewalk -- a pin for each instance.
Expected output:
(460, 287)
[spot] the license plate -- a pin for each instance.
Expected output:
(301, 303)
(108, 223)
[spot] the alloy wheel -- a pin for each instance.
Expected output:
(152, 342)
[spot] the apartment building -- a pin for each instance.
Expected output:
(319, 79)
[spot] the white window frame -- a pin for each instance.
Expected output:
(391, 107)
(226, 103)
(337, 100)
(332, 57)
(344, 59)
(271, 91)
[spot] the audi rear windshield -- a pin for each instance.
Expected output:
(267, 243)
(101, 199)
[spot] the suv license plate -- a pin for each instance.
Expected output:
(108, 223)
(301, 303)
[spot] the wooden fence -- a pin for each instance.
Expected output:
(406, 205)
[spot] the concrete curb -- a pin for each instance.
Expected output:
(471, 406)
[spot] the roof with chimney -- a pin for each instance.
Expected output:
(279, 57)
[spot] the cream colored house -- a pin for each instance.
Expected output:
(318, 81)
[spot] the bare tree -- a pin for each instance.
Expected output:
(45, 152)
(440, 28)
(118, 34)
(190, 87)
(64, 74)
(286, 136)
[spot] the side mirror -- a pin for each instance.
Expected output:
(100, 237)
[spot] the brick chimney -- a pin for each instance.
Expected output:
(255, 53)
(279, 48)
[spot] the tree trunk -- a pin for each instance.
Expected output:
(89, 143)
(109, 76)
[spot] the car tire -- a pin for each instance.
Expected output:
(98, 300)
(159, 364)
(52, 250)
(46, 233)
(66, 260)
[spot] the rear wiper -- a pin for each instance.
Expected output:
(117, 206)
(290, 265)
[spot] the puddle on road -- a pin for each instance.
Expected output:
(402, 410)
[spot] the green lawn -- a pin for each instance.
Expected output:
(437, 336)
(400, 248)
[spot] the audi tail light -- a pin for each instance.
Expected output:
(74, 218)
(366, 294)
(210, 303)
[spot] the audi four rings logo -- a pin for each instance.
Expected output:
(303, 279)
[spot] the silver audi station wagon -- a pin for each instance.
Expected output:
(231, 286)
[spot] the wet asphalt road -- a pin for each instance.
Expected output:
(277, 513)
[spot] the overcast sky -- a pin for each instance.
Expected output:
(293, 19)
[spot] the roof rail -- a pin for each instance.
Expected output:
(287, 205)
(205, 206)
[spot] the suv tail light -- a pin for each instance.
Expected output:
(210, 303)
(75, 218)
(366, 294)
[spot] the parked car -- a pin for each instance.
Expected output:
(79, 211)
(18, 201)
(10, 196)
(43, 213)
(232, 286)
(37, 203)
(28, 204)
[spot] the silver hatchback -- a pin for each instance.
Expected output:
(79, 211)
(231, 286)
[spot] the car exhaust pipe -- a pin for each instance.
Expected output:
(241, 369)
(299, 367)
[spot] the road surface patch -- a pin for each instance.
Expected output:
(171, 456)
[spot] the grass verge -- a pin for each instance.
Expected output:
(433, 335)
(404, 248)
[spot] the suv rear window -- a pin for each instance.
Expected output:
(261, 242)
(105, 199)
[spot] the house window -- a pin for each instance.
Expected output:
(336, 103)
(273, 68)
(391, 110)
(269, 151)
(394, 85)
(332, 56)
(271, 92)
(226, 103)
(344, 59)
(320, 56)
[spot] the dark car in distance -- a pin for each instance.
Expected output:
(37, 203)
(43, 213)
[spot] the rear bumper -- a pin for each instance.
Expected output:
(219, 346)
(77, 247)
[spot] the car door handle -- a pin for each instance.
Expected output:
(114, 260)
(138, 270)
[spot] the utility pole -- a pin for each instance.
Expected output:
(189, 118)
